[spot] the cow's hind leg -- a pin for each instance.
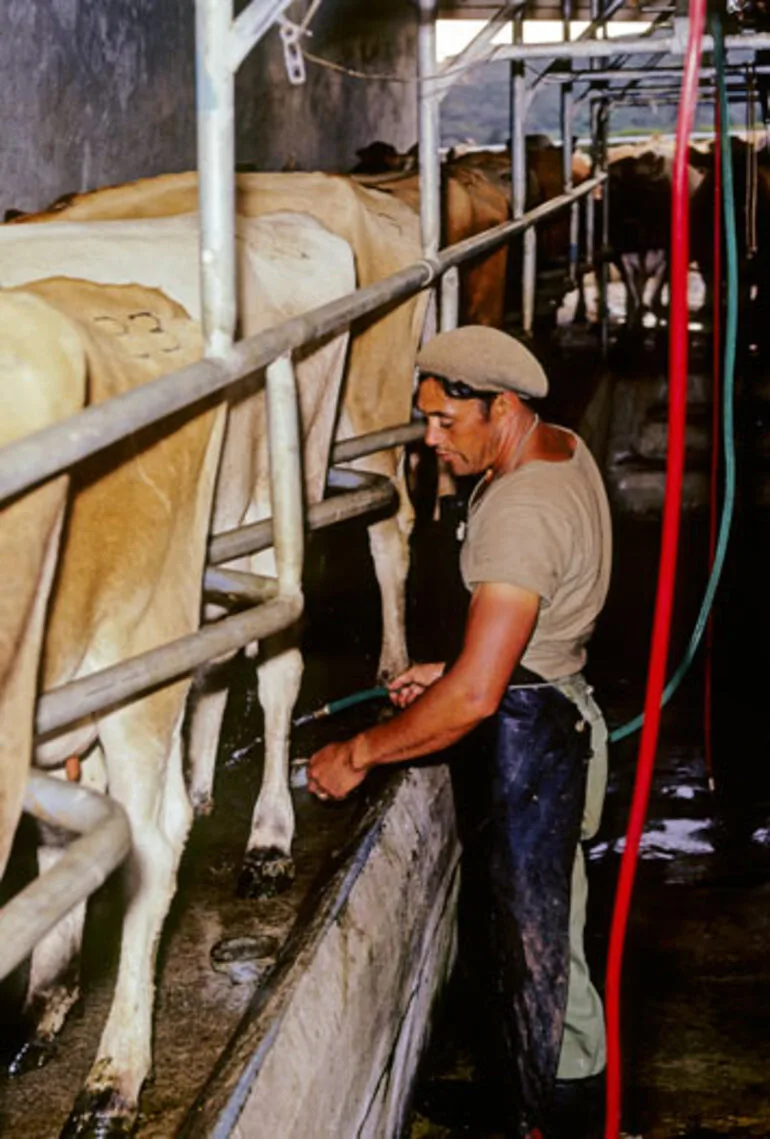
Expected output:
(268, 867)
(144, 763)
(54, 977)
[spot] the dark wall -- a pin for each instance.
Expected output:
(321, 125)
(95, 92)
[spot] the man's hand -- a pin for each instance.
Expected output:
(405, 689)
(330, 772)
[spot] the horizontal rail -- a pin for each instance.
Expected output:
(366, 493)
(72, 702)
(250, 588)
(349, 449)
(32, 460)
(84, 866)
(66, 705)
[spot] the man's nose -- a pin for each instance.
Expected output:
(432, 433)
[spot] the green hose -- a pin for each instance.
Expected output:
(731, 334)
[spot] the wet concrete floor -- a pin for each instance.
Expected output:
(696, 981)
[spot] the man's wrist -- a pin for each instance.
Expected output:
(360, 754)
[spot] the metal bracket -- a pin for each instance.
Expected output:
(292, 52)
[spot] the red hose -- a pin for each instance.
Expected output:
(656, 677)
(715, 422)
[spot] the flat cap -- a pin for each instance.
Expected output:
(485, 359)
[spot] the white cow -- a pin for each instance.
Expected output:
(132, 562)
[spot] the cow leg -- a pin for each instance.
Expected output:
(631, 271)
(208, 697)
(143, 750)
(268, 867)
(54, 977)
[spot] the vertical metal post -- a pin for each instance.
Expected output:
(428, 122)
(215, 102)
(285, 474)
(519, 99)
(567, 133)
(602, 131)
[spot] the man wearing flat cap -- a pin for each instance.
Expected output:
(536, 561)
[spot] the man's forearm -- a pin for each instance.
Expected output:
(446, 712)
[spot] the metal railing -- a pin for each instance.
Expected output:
(221, 45)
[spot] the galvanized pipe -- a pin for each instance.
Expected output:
(602, 120)
(112, 686)
(519, 100)
(82, 869)
(215, 104)
(247, 588)
(366, 493)
(348, 449)
(450, 300)
(593, 49)
(707, 74)
(30, 461)
(429, 139)
(476, 51)
(250, 26)
(285, 474)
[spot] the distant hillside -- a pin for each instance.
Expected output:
(476, 110)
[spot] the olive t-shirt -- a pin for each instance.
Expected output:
(546, 527)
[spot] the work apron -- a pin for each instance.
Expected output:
(534, 755)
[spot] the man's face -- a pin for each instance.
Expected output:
(461, 431)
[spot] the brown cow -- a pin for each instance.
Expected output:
(472, 204)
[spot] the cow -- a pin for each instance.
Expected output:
(120, 590)
(471, 204)
(383, 234)
(751, 187)
(42, 380)
(544, 181)
(640, 180)
(115, 600)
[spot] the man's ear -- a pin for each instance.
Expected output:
(506, 403)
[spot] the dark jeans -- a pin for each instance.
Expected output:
(521, 791)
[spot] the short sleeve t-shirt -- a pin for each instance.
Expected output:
(546, 528)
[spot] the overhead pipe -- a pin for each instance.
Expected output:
(639, 45)
(566, 101)
(84, 866)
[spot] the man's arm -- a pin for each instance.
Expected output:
(500, 622)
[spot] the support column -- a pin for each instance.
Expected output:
(430, 161)
(519, 101)
(215, 102)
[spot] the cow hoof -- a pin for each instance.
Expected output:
(244, 959)
(202, 805)
(100, 1114)
(265, 873)
(32, 1055)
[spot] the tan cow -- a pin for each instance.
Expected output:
(124, 588)
(42, 380)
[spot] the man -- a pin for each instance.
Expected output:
(536, 559)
